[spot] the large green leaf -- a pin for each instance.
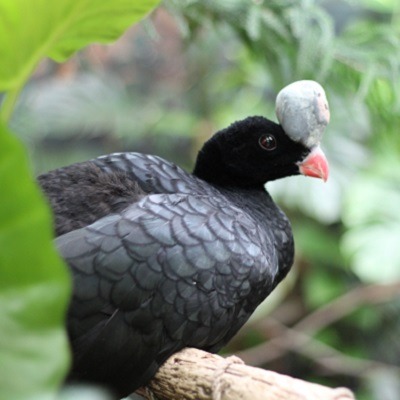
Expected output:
(33, 29)
(34, 285)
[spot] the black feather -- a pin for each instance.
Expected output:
(162, 259)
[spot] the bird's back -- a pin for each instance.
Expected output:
(82, 193)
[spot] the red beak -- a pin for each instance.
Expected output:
(315, 164)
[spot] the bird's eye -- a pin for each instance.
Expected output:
(268, 142)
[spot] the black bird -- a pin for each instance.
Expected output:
(163, 259)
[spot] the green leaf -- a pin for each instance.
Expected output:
(373, 221)
(321, 286)
(253, 23)
(34, 285)
(33, 29)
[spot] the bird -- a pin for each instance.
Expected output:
(162, 259)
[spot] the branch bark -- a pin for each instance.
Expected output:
(194, 374)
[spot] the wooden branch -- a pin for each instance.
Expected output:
(194, 374)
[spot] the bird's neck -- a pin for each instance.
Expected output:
(211, 167)
(250, 197)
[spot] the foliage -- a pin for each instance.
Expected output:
(56, 29)
(373, 221)
(34, 286)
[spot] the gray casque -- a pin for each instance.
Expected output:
(303, 111)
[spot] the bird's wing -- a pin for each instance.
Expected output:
(153, 173)
(167, 272)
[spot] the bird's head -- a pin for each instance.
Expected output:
(256, 150)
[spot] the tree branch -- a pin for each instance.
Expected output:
(195, 374)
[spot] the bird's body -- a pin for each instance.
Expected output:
(162, 259)
(198, 259)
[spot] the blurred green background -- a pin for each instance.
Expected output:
(194, 67)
